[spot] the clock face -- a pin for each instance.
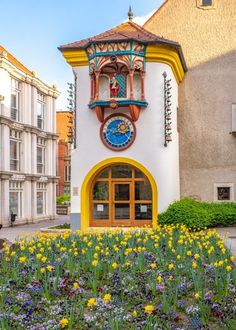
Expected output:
(118, 132)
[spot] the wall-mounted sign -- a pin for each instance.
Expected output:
(143, 208)
(118, 132)
(100, 208)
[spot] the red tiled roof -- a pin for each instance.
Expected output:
(126, 31)
(15, 62)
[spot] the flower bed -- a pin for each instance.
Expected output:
(167, 278)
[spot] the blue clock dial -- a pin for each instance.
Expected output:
(118, 132)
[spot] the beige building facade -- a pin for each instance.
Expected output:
(206, 31)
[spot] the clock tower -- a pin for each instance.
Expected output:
(125, 166)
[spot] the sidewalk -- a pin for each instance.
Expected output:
(16, 232)
(229, 235)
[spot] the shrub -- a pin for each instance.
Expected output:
(195, 214)
(62, 199)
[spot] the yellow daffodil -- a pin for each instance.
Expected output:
(22, 260)
(171, 266)
(94, 263)
(91, 302)
(228, 268)
(49, 268)
(75, 285)
(44, 259)
(64, 322)
(114, 265)
(197, 295)
(149, 309)
(159, 279)
(194, 264)
(107, 297)
(134, 314)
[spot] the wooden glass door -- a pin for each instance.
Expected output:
(121, 196)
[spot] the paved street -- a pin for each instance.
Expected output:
(16, 232)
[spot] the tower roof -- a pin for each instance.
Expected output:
(123, 32)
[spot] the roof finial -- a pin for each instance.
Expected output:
(130, 14)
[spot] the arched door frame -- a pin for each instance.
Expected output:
(88, 181)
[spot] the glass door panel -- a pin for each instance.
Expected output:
(122, 192)
(143, 211)
(121, 202)
(101, 211)
(122, 211)
(143, 191)
(101, 191)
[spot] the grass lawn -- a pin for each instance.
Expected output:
(167, 278)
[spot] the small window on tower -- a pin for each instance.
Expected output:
(206, 2)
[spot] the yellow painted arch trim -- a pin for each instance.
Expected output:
(167, 55)
(77, 57)
(88, 181)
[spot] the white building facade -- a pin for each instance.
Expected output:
(27, 144)
(125, 167)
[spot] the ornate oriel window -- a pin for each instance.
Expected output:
(117, 73)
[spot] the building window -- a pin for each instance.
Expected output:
(67, 171)
(41, 104)
(206, 2)
(15, 99)
(41, 147)
(224, 192)
(41, 198)
(15, 149)
(15, 198)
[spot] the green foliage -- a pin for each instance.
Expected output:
(195, 214)
(63, 226)
(63, 199)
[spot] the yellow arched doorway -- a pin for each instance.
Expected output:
(118, 192)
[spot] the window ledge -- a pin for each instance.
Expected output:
(123, 102)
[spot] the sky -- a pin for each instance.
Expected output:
(31, 30)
